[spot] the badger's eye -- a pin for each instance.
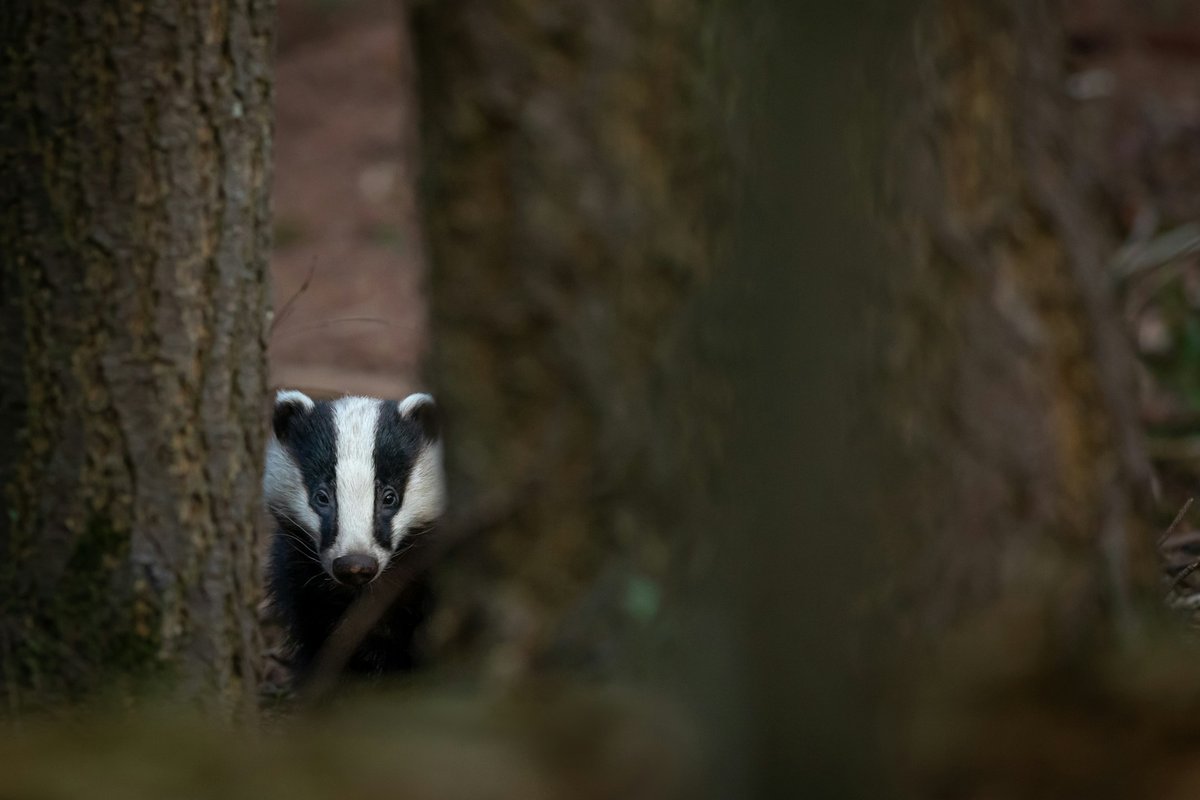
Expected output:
(321, 498)
(390, 499)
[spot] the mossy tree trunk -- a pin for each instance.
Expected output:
(570, 154)
(1016, 388)
(135, 145)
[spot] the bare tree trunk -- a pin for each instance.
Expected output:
(569, 158)
(1016, 393)
(136, 151)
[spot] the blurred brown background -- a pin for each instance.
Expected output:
(345, 208)
(346, 146)
(653, 356)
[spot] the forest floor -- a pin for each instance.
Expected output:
(345, 216)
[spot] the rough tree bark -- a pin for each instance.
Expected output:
(1015, 389)
(569, 159)
(135, 145)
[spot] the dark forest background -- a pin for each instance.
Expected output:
(820, 385)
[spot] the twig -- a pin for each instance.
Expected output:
(1175, 522)
(1183, 576)
(291, 301)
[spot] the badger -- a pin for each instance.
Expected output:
(350, 483)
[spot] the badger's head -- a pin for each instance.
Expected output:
(355, 476)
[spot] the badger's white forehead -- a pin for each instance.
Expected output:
(355, 422)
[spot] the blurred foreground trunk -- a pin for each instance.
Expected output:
(135, 148)
(579, 158)
(569, 171)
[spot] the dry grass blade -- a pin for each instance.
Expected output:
(1163, 249)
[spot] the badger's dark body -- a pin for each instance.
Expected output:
(310, 604)
(351, 484)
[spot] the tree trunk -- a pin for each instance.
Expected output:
(569, 163)
(1015, 385)
(136, 152)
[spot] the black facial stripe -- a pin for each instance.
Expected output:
(397, 444)
(328, 529)
(383, 526)
(312, 442)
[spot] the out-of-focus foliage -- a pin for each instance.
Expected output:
(1161, 286)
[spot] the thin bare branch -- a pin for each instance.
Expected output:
(290, 305)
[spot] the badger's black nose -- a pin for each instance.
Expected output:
(355, 570)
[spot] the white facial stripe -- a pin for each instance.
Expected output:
(424, 494)
(354, 420)
(284, 492)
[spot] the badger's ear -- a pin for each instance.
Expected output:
(290, 407)
(421, 409)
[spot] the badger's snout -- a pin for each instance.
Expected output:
(356, 569)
